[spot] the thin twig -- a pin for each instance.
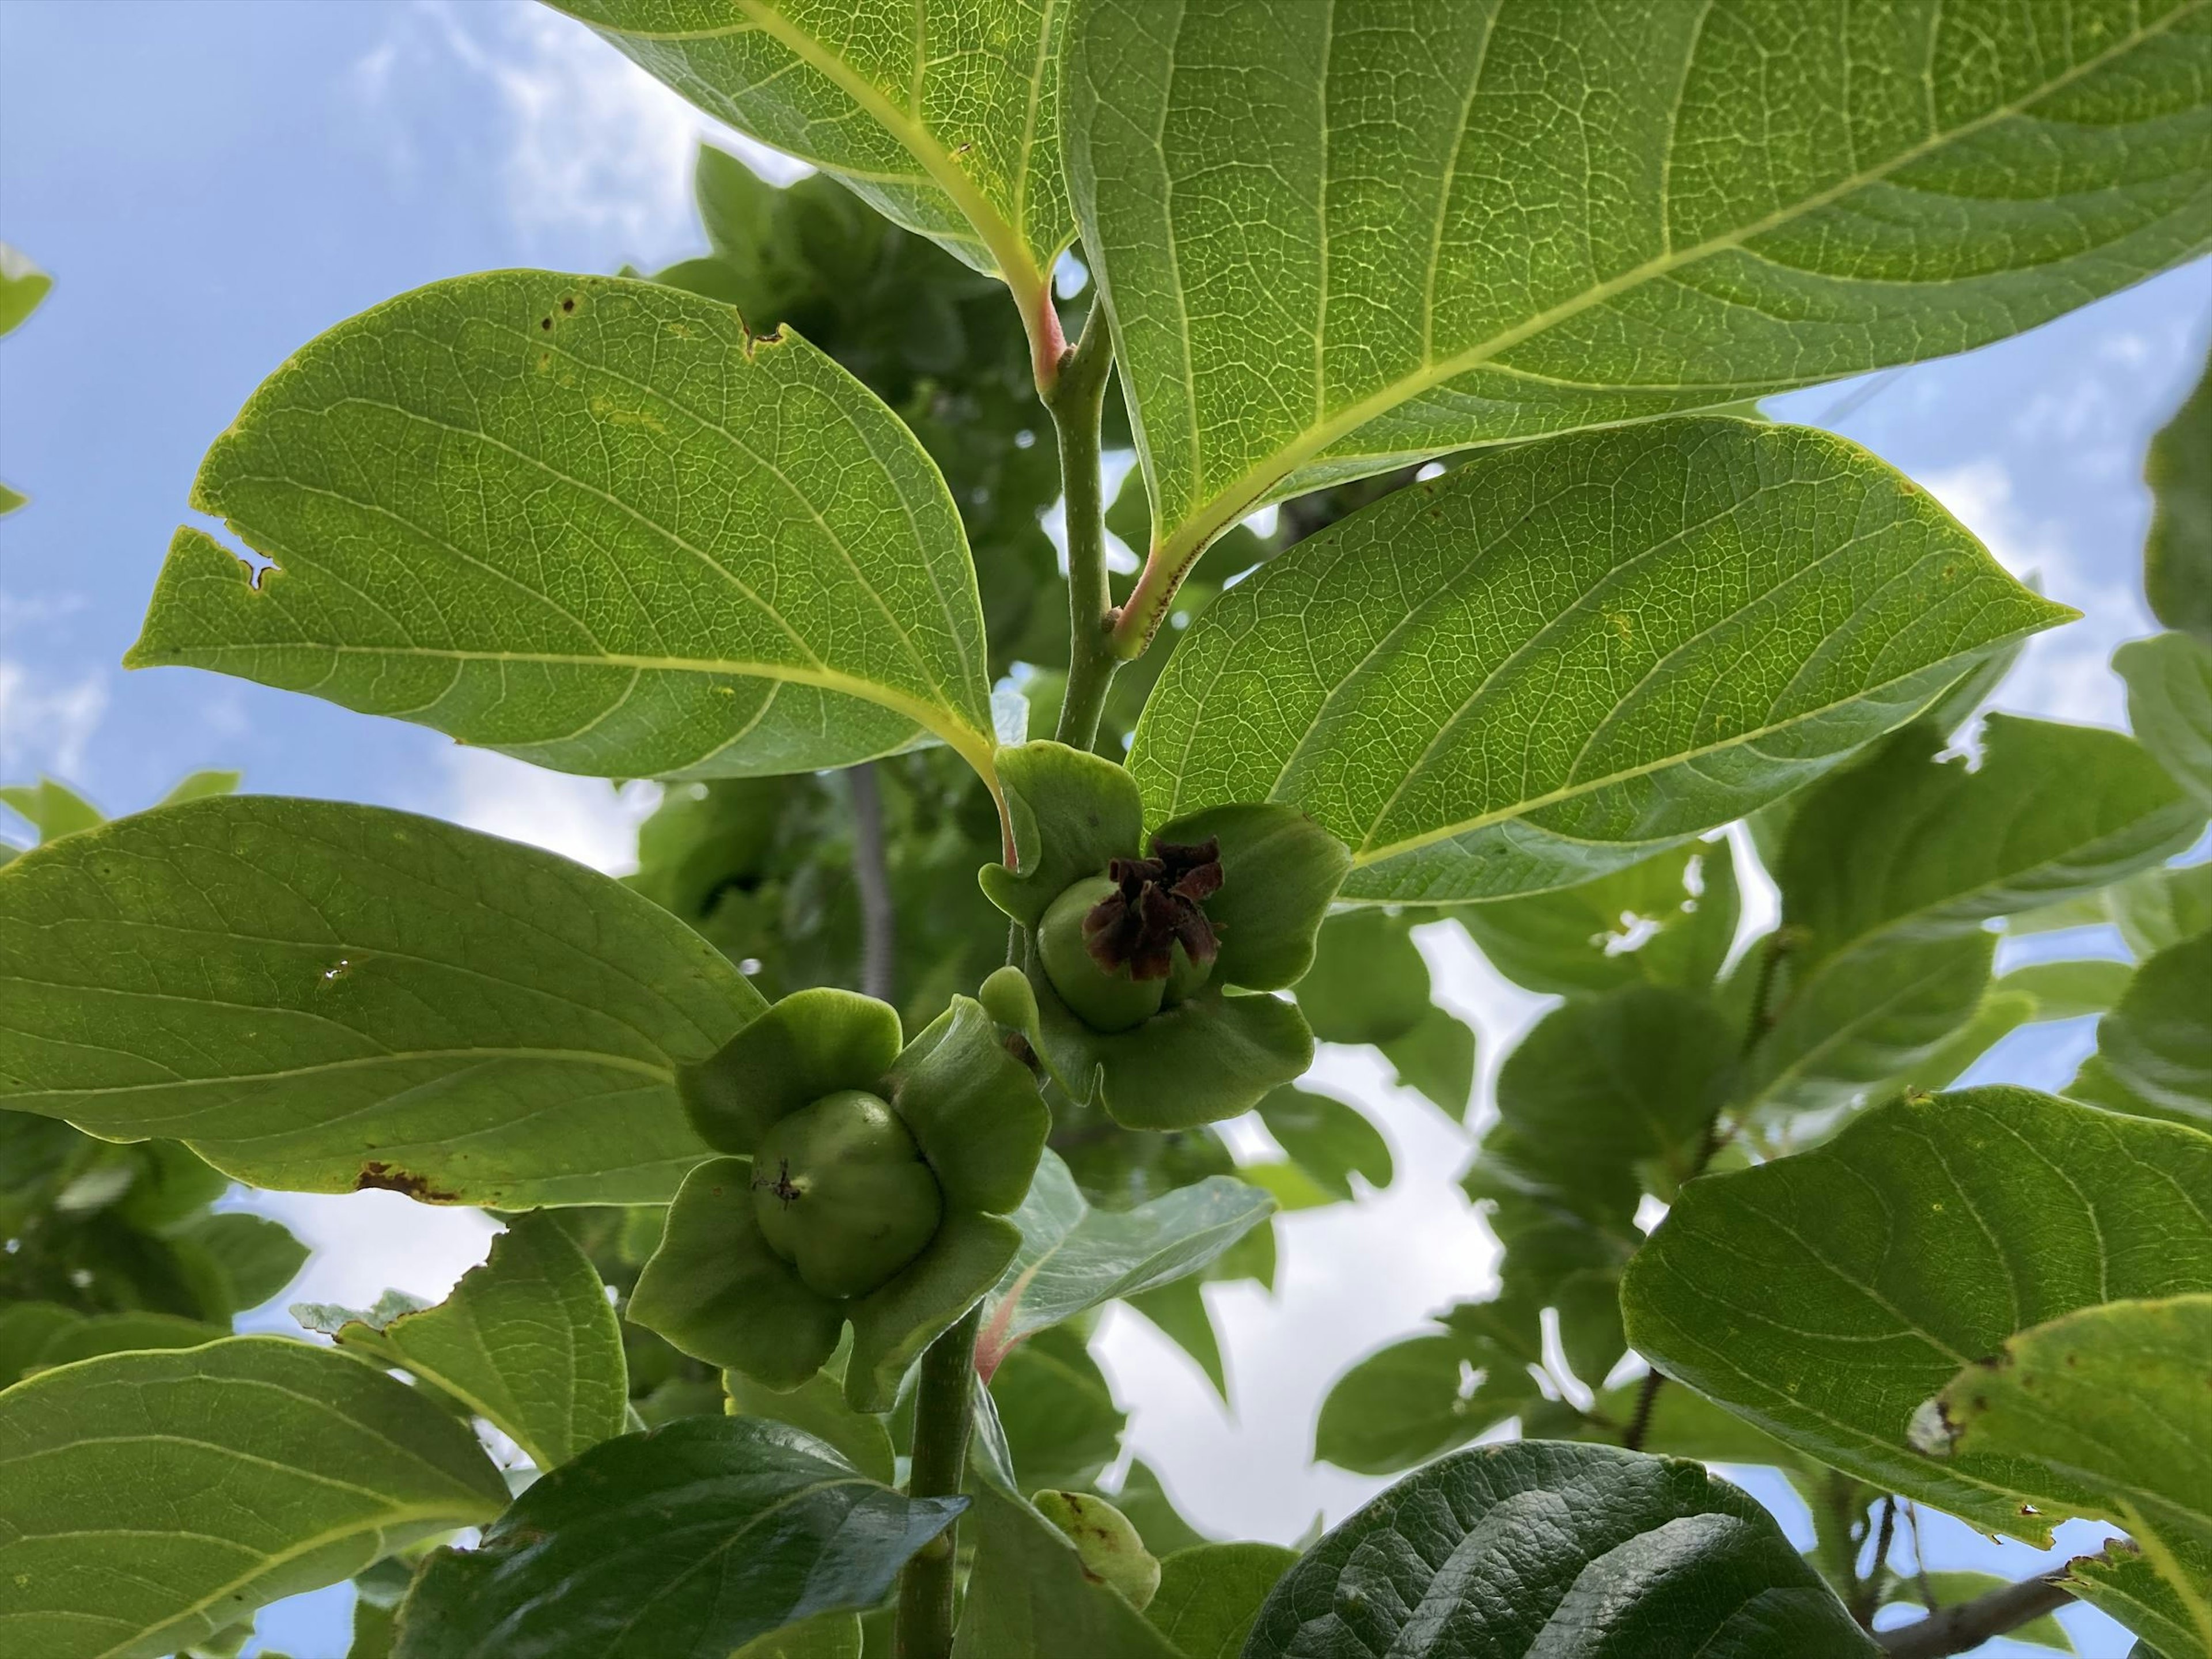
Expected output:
(1965, 1626)
(1866, 1600)
(878, 915)
(1639, 1424)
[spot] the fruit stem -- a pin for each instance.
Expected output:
(943, 1414)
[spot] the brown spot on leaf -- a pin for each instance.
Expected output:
(383, 1177)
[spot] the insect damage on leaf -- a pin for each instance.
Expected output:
(378, 1177)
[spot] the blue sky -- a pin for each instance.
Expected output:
(212, 184)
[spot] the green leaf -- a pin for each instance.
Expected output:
(2120, 1581)
(53, 809)
(1908, 848)
(1564, 1549)
(2156, 909)
(818, 1406)
(1700, 616)
(259, 1257)
(1210, 1595)
(1665, 920)
(2177, 557)
(1073, 812)
(1477, 223)
(1072, 1258)
(2155, 1049)
(22, 285)
(1329, 1140)
(682, 1543)
(1824, 1296)
(149, 1500)
(1368, 982)
(322, 997)
(945, 120)
(1178, 1311)
(123, 1333)
(26, 1328)
(1031, 1595)
(1406, 1402)
(2066, 990)
(830, 1636)
(1061, 1425)
(1436, 1058)
(892, 1325)
(1146, 1502)
(2110, 1401)
(2170, 699)
(527, 1341)
(198, 786)
(662, 548)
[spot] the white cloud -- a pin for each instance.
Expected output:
(587, 819)
(365, 1243)
(2063, 673)
(591, 142)
(44, 727)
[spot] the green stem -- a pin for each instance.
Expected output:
(943, 1403)
(1075, 400)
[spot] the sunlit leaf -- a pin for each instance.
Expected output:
(1562, 658)
(149, 1500)
(325, 997)
(2169, 701)
(2155, 1049)
(661, 547)
(1335, 238)
(1824, 1296)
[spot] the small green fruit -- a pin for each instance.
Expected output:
(842, 1193)
(1105, 1542)
(1186, 978)
(1105, 999)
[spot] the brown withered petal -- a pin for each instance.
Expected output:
(1154, 904)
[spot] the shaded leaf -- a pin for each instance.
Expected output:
(1437, 1058)
(818, 1406)
(1030, 1594)
(1329, 1140)
(1431, 241)
(2155, 909)
(1826, 1295)
(322, 997)
(2170, 696)
(2178, 555)
(1699, 615)
(2155, 1049)
(1074, 1258)
(1146, 1502)
(1061, 1425)
(1178, 1311)
(1550, 1549)
(2120, 1581)
(1668, 920)
(259, 1257)
(123, 1333)
(2066, 990)
(681, 1543)
(1210, 1595)
(663, 547)
(528, 1340)
(148, 1501)
(1406, 1402)
(1368, 982)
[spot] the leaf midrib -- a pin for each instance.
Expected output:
(1001, 240)
(1244, 494)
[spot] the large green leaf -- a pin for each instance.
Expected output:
(1824, 1296)
(660, 546)
(1696, 617)
(2121, 1581)
(1338, 237)
(323, 997)
(2110, 1401)
(944, 118)
(1210, 1594)
(1405, 1403)
(2169, 679)
(2154, 1050)
(2178, 556)
(1031, 1595)
(2157, 910)
(1569, 1551)
(527, 1341)
(681, 1543)
(1074, 1258)
(149, 1500)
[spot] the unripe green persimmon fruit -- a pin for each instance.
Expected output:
(842, 1193)
(1102, 999)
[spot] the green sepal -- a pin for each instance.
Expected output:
(716, 1291)
(1197, 1062)
(1071, 811)
(973, 1109)
(892, 1325)
(1279, 872)
(810, 1044)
